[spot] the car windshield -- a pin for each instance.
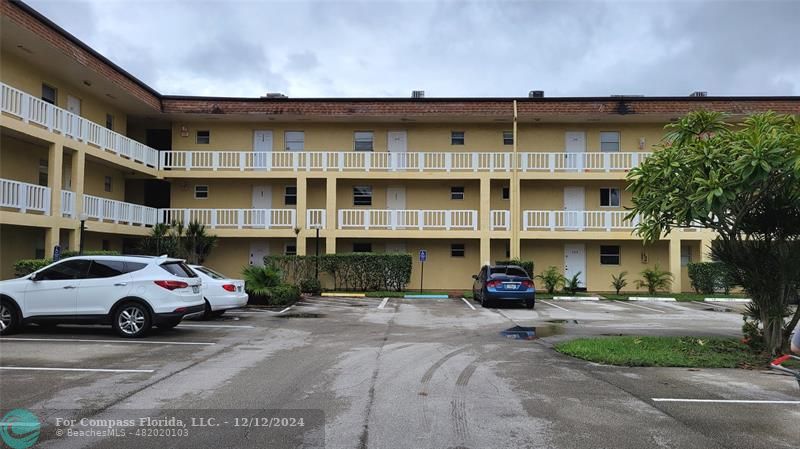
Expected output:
(210, 273)
(509, 271)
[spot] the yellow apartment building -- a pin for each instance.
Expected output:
(470, 180)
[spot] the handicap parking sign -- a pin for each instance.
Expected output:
(423, 255)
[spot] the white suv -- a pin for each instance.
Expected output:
(132, 293)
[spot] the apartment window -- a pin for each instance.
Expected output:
(457, 138)
(362, 196)
(290, 249)
(362, 247)
(508, 138)
(106, 245)
(686, 255)
(609, 255)
(506, 194)
(43, 172)
(609, 197)
(363, 140)
(457, 250)
(609, 141)
(200, 192)
(107, 184)
(110, 121)
(457, 193)
(290, 196)
(295, 140)
(49, 94)
(203, 137)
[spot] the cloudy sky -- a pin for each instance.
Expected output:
(447, 48)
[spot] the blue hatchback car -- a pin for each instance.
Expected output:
(503, 283)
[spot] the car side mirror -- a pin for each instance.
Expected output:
(475, 276)
(34, 277)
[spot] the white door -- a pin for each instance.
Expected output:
(396, 201)
(398, 143)
(574, 146)
(575, 262)
(258, 250)
(262, 149)
(574, 207)
(74, 105)
(262, 200)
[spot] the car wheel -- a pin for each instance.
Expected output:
(9, 318)
(207, 312)
(168, 324)
(131, 320)
(218, 313)
(530, 304)
(485, 302)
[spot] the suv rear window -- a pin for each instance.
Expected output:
(179, 269)
(211, 273)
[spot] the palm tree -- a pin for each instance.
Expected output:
(654, 279)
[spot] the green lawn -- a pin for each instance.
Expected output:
(685, 297)
(663, 351)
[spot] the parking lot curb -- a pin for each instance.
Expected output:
(651, 298)
(727, 300)
(576, 298)
(342, 295)
(426, 297)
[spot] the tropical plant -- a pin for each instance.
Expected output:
(571, 285)
(654, 279)
(743, 182)
(190, 242)
(551, 278)
(259, 280)
(618, 282)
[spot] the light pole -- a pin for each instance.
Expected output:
(83, 217)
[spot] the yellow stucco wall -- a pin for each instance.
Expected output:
(231, 194)
(19, 159)
(94, 181)
(550, 137)
(419, 194)
(18, 242)
(549, 195)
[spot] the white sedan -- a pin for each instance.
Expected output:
(220, 292)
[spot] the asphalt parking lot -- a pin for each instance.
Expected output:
(410, 374)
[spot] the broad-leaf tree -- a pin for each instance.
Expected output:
(741, 180)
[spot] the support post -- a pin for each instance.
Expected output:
(55, 170)
(302, 198)
(331, 214)
(675, 263)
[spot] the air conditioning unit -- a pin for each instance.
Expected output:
(536, 94)
(417, 94)
(699, 93)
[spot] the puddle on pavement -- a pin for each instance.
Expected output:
(562, 321)
(302, 315)
(531, 333)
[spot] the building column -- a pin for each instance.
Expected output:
(515, 217)
(78, 169)
(705, 249)
(484, 225)
(51, 239)
(55, 169)
(300, 209)
(330, 215)
(675, 263)
(74, 239)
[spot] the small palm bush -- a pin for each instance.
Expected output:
(572, 285)
(259, 280)
(619, 282)
(654, 279)
(551, 278)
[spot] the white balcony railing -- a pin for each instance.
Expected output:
(104, 209)
(315, 218)
(67, 203)
(499, 220)
(605, 162)
(31, 109)
(24, 197)
(335, 161)
(407, 219)
(232, 218)
(576, 220)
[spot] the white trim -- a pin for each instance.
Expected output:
(550, 304)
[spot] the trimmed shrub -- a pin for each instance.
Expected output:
(283, 294)
(25, 267)
(71, 253)
(526, 265)
(709, 277)
(354, 271)
(311, 285)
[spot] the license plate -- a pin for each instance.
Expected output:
(239, 288)
(510, 285)
(195, 289)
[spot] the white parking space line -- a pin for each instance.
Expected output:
(87, 340)
(724, 401)
(284, 310)
(226, 326)
(383, 303)
(468, 303)
(87, 370)
(641, 306)
(551, 304)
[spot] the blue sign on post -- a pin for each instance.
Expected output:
(56, 253)
(423, 255)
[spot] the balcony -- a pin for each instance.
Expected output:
(408, 219)
(585, 220)
(104, 209)
(67, 204)
(316, 218)
(232, 218)
(578, 162)
(33, 110)
(499, 220)
(24, 197)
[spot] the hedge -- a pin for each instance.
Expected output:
(709, 277)
(354, 271)
(526, 265)
(25, 267)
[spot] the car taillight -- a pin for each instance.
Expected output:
(527, 284)
(229, 287)
(171, 285)
(494, 283)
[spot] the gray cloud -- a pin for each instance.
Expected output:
(448, 48)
